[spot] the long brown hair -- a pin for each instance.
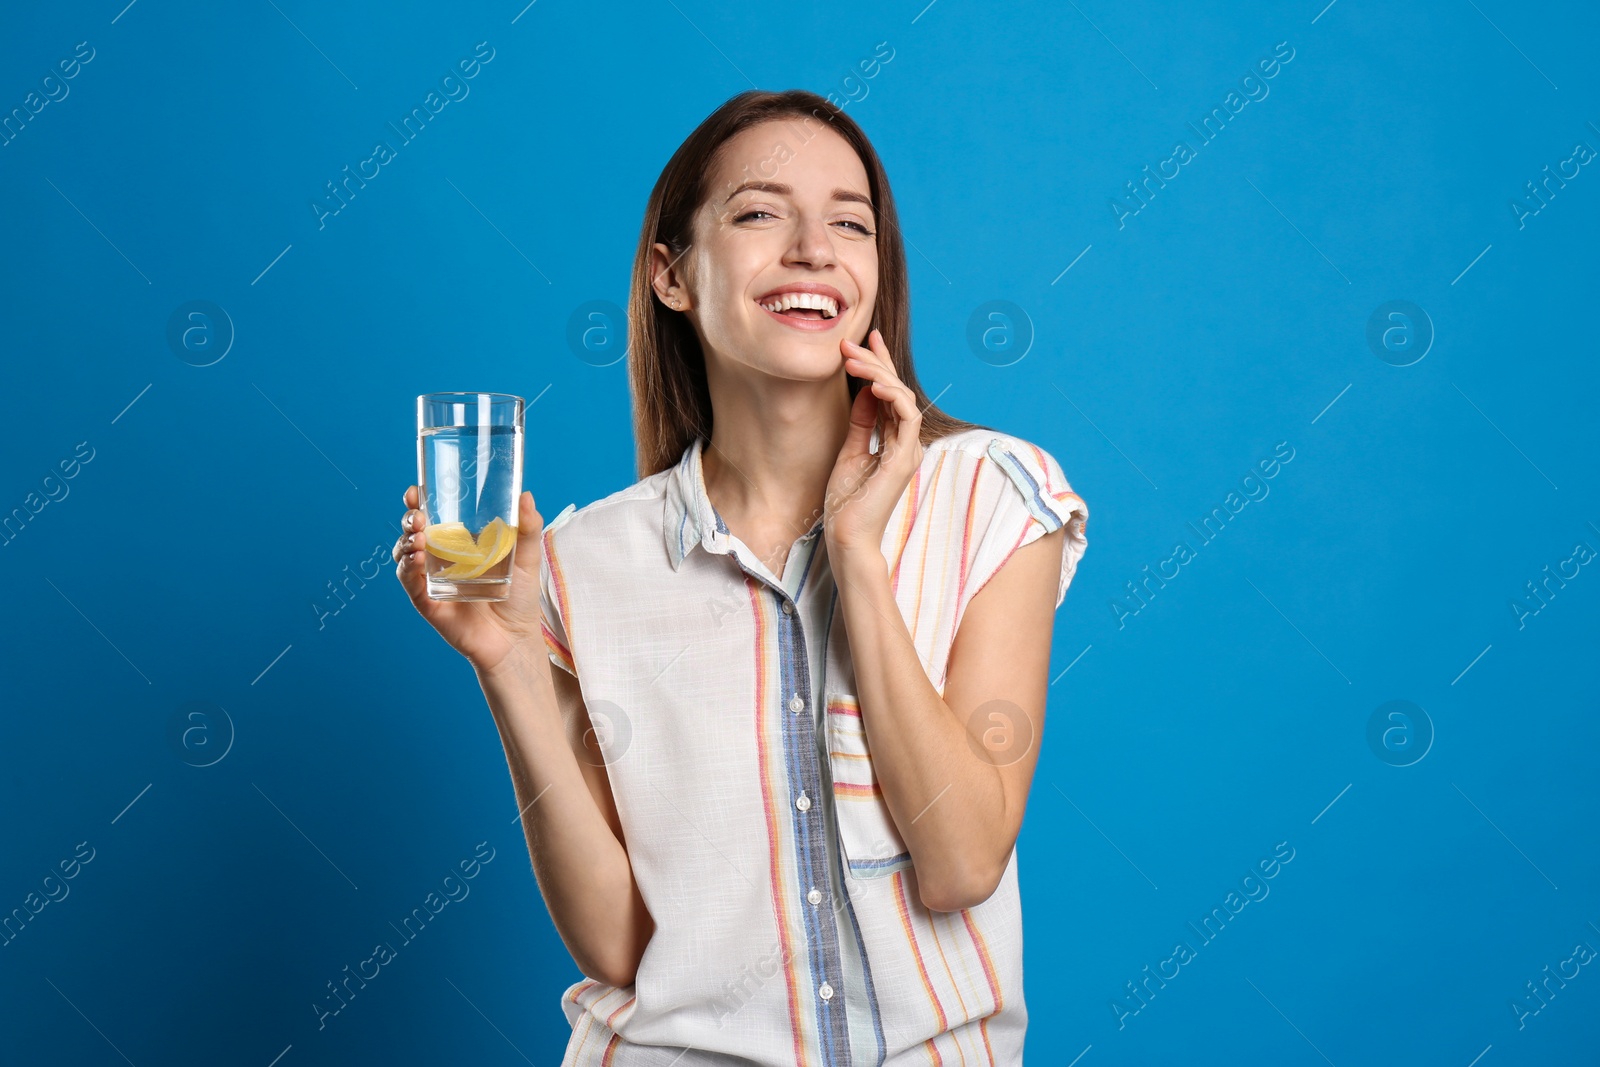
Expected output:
(666, 365)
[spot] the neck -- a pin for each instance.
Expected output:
(772, 450)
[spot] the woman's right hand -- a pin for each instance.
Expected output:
(486, 633)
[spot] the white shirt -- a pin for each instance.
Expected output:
(788, 925)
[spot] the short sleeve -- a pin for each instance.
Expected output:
(553, 599)
(1019, 495)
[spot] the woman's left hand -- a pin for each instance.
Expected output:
(864, 488)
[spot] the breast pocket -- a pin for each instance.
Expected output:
(872, 845)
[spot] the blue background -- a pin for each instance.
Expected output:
(1230, 713)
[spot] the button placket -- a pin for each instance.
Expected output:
(814, 861)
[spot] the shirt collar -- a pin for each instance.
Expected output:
(689, 518)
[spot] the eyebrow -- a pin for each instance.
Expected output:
(780, 189)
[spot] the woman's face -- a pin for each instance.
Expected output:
(788, 221)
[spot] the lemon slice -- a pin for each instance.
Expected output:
(451, 541)
(493, 544)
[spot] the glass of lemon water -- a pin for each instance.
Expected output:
(469, 472)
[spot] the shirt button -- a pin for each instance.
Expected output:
(825, 991)
(796, 705)
(815, 896)
(788, 608)
(803, 802)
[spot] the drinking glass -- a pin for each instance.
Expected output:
(469, 472)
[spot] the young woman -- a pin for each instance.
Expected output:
(772, 711)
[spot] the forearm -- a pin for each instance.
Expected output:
(582, 868)
(946, 801)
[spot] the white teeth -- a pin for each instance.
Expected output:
(815, 301)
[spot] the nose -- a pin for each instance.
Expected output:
(812, 245)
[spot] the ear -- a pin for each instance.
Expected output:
(667, 278)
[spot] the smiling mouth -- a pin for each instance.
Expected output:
(812, 306)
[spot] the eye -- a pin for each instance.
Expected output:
(751, 215)
(859, 227)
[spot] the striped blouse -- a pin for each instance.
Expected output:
(788, 925)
